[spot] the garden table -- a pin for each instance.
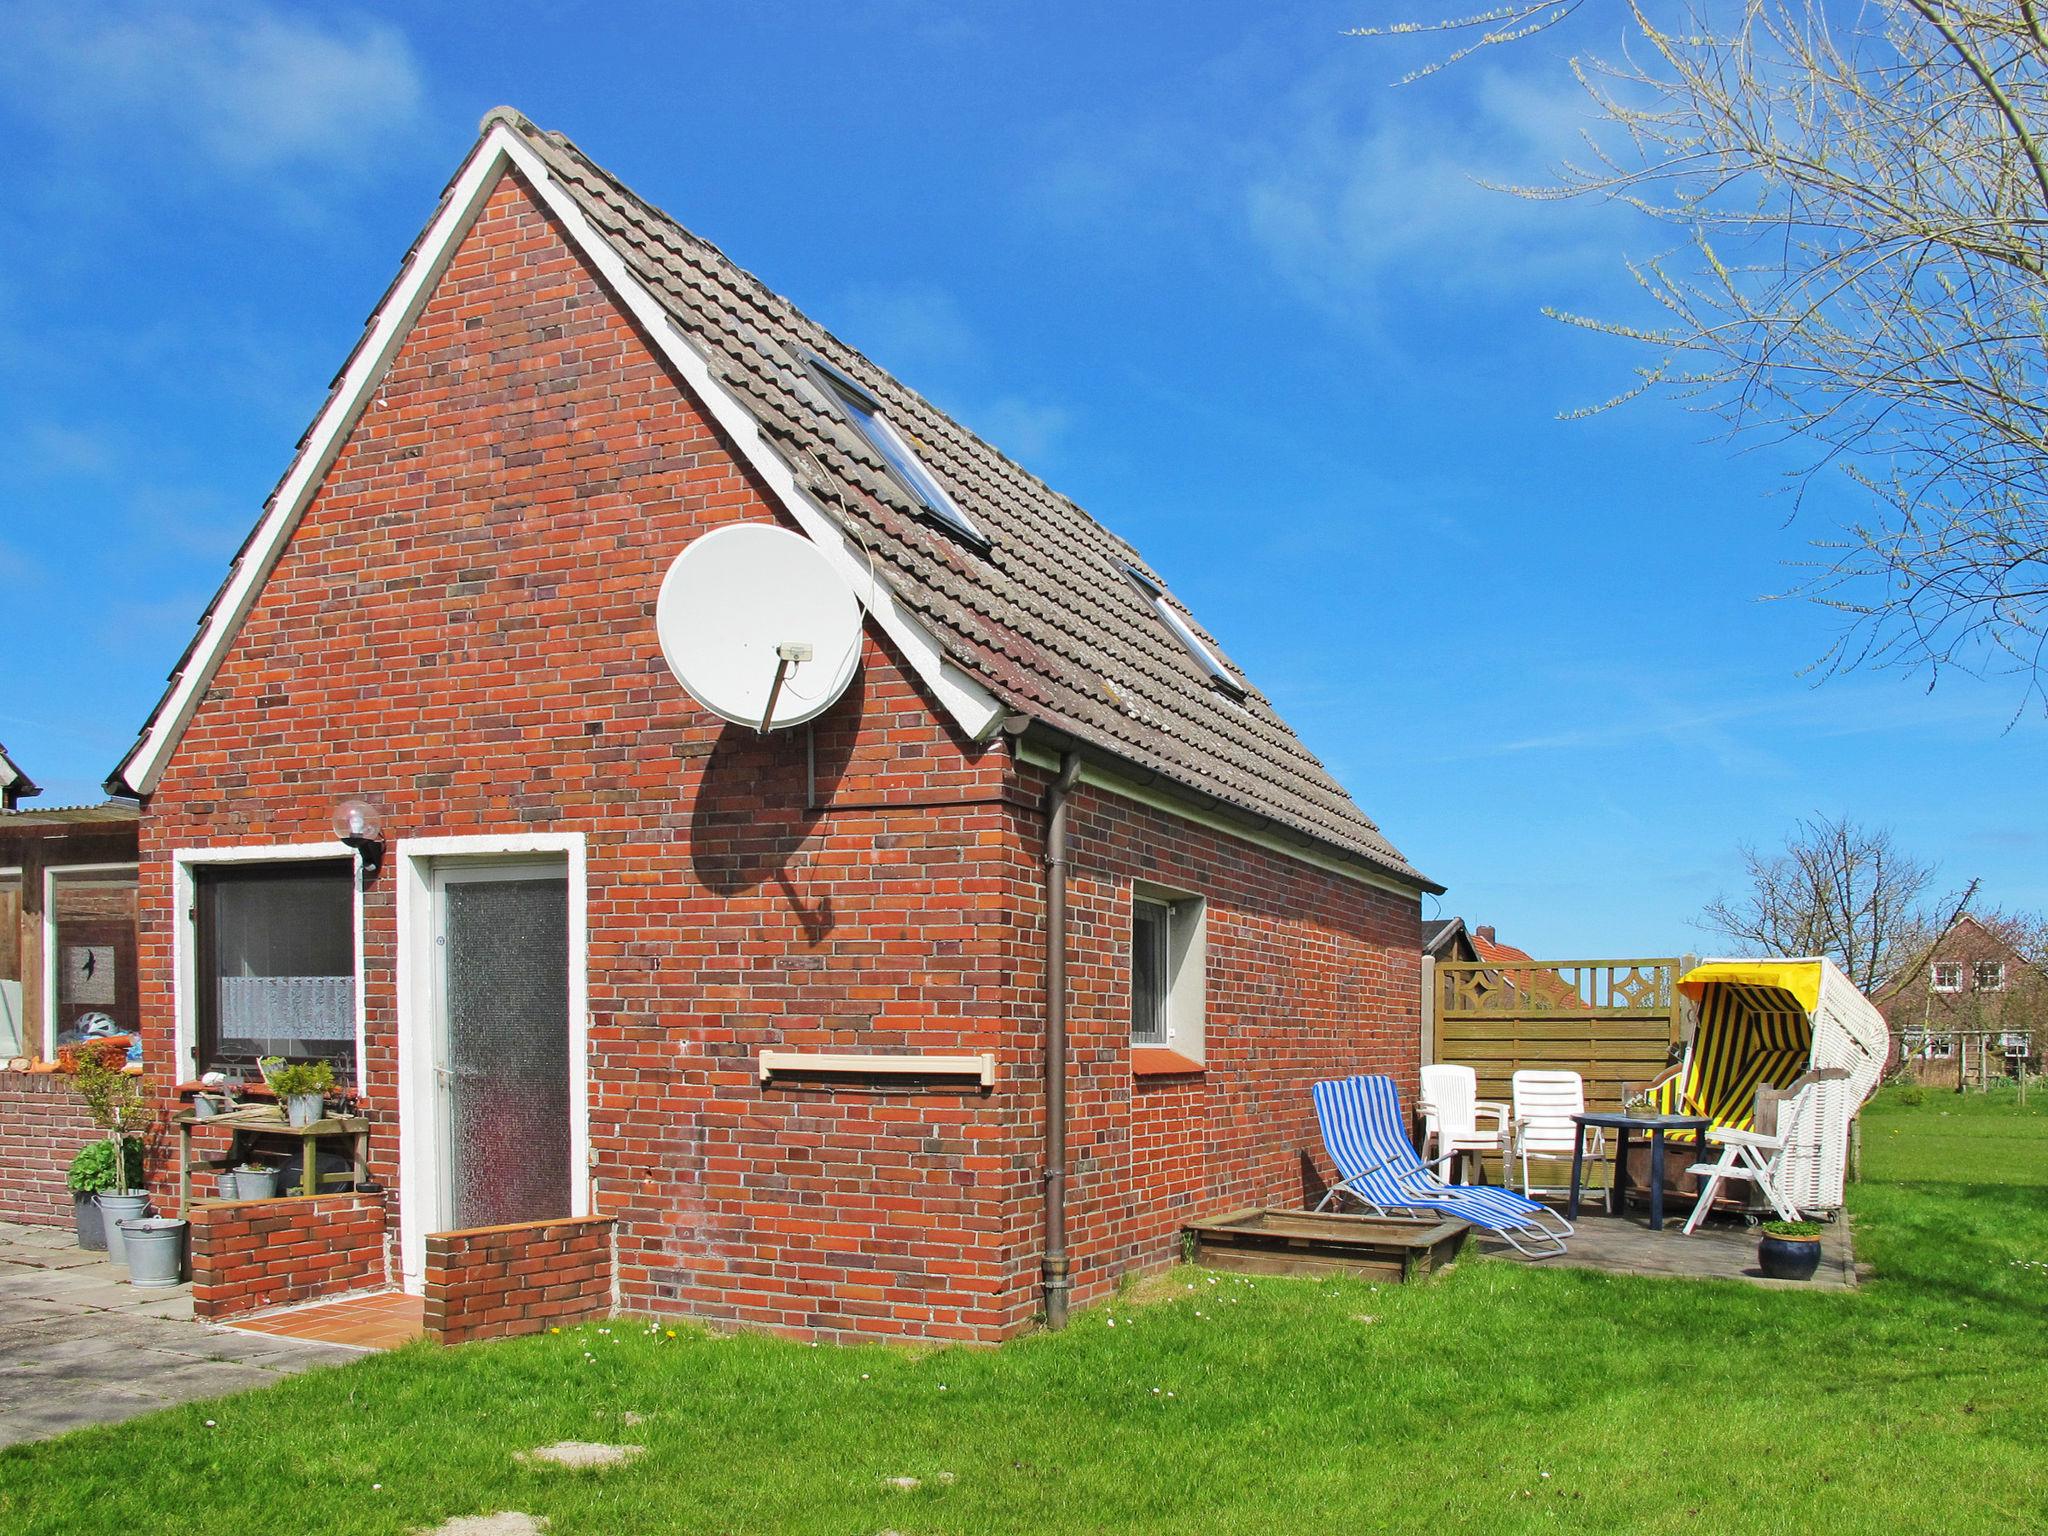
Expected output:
(253, 1120)
(1622, 1122)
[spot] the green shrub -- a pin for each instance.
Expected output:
(289, 1079)
(1792, 1228)
(1906, 1098)
(92, 1171)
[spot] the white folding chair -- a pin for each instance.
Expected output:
(1759, 1155)
(1543, 1128)
(1451, 1108)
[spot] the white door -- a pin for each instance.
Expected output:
(500, 1040)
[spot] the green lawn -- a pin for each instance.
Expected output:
(1498, 1398)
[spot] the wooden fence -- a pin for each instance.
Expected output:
(1612, 1021)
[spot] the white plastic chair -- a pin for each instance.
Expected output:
(1759, 1155)
(1451, 1108)
(1543, 1129)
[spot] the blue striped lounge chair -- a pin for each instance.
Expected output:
(1378, 1168)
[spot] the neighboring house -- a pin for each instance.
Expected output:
(1446, 938)
(1973, 1006)
(15, 786)
(601, 912)
(67, 970)
(67, 925)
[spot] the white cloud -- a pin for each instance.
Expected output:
(251, 88)
(1360, 194)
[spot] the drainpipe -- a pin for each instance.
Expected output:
(1057, 1283)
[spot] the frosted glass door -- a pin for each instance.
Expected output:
(504, 1070)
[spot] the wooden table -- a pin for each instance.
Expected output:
(1656, 1127)
(269, 1120)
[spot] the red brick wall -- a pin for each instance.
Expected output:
(251, 1255)
(1310, 975)
(462, 630)
(494, 1282)
(42, 1126)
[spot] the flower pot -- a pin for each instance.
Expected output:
(85, 1216)
(115, 1209)
(156, 1250)
(305, 1109)
(1788, 1258)
(255, 1183)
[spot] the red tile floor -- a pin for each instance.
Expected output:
(382, 1321)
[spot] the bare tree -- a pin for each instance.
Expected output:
(1836, 889)
(1863, 196)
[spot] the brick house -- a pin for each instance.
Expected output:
(1975, 1006)
(778, 1009)
(67, 971)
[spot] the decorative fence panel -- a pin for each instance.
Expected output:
(1614, 1022)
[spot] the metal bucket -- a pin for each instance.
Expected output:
(156, 1250)
(115, 1209)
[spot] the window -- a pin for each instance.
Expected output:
(1168, 957)
(14, 1031)
(1948, 976)
(276, 962)
(1940, 1048)
(863, 412)
(1170, 616)
(1990, 976)
(89, 983)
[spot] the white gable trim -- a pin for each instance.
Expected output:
(976, 711)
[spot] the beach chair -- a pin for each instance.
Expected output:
(1543, 1127)
(1759, 1155)
(1451, 1112)
(1377, 1167)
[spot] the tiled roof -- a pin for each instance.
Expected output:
(1044, 617)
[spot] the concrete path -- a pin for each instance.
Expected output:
(79, 1345)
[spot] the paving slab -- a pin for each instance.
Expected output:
(80, 1346)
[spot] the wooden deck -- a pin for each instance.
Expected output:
(1719, 1250)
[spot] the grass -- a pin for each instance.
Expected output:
(1499, 1398)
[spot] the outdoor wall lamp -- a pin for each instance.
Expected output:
(356, 823)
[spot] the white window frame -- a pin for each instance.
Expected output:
(412, 865)
(185, 866)
(1187, 960)
(1977, 969)
(1940, 1046)
(49, 965)
(861, 411)
(1205, 658)
(1934, 970)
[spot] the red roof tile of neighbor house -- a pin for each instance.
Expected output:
(1042, 614)
(1544, 984)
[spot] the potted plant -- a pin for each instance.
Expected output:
(302, 1086)
(1789, 1250)
(255, 1181)
(91, 1175)
(119, 1107)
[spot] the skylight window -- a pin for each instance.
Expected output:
(863, 412)
(1169, 615)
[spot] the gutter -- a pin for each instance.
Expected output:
(1057, 1281)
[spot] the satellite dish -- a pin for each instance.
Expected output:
(758, 626)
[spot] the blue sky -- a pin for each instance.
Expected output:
(1202, 266)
